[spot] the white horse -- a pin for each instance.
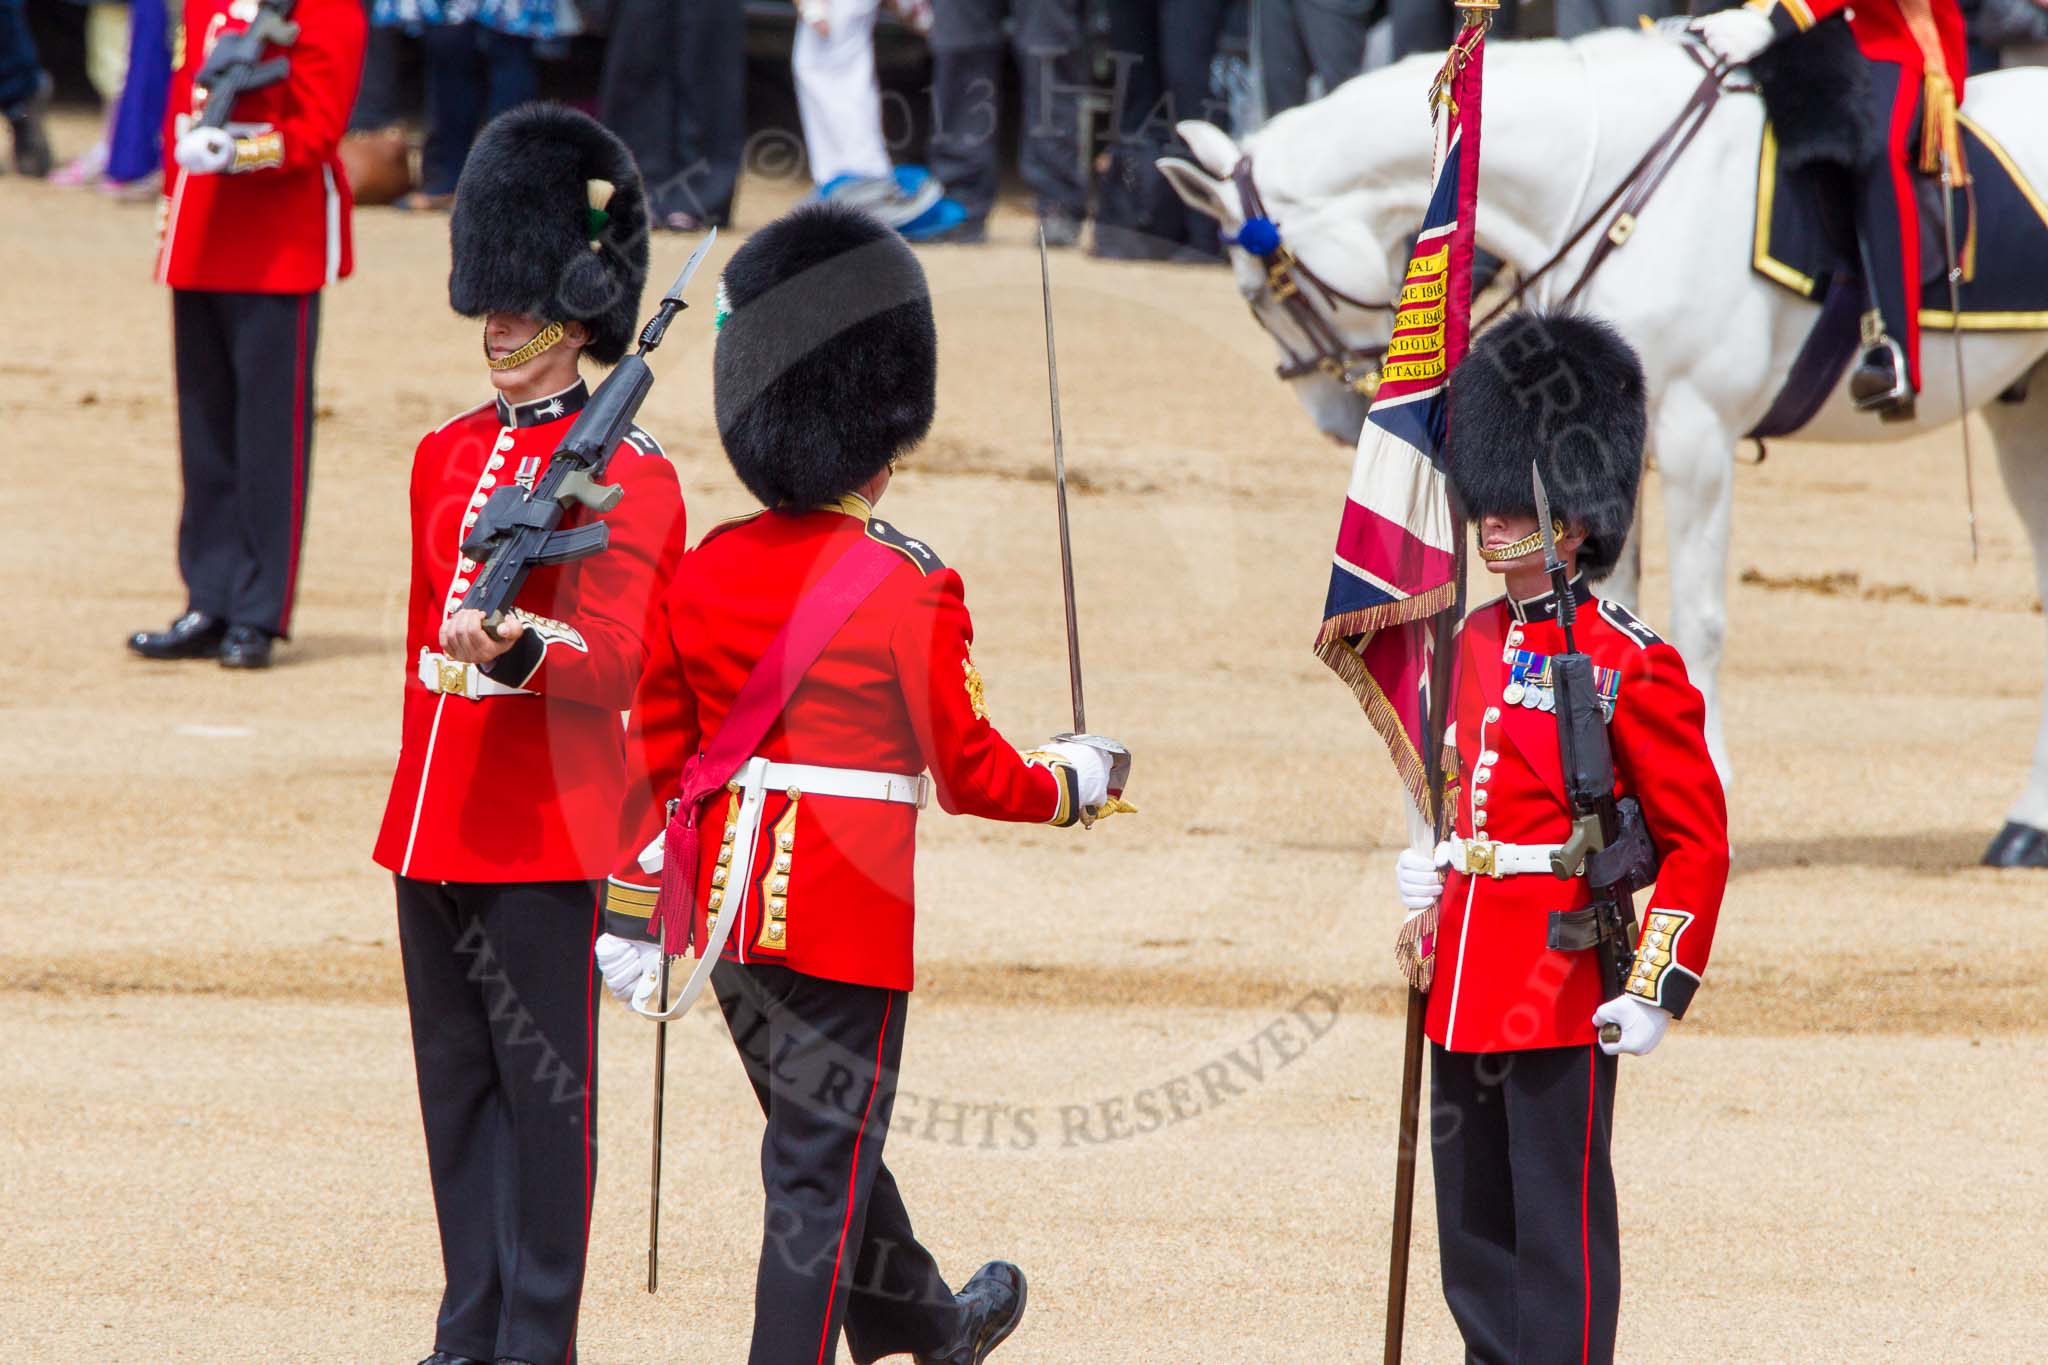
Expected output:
(1346, 177)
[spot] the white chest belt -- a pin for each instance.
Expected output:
(755, 779)
(1488, 858)
(444, 675)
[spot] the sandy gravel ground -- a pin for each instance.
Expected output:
(211, 1140)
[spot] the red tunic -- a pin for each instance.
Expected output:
(278, 223)
(1882, 31)
(894, 692)
(526, 788)
(1498, 986)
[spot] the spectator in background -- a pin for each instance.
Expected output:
(480, 62)
(1576, 18)
(840, 102)
(1429, 25)
(1162, 50)
(106, 66)
(675, 93)
(1296, 39)
(1992, 26)
(135, 135)
(24, 92)
(967, 82)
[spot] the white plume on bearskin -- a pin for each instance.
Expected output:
(1562, 391)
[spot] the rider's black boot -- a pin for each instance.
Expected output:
(1879, 384)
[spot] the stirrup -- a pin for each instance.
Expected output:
(1878, 383)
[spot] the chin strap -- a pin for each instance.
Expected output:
(1526, 545)
(542, 340)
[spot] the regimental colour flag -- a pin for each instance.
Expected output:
(1397, 563)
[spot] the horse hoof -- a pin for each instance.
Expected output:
(2018, 845)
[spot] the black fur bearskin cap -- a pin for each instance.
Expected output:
(529, 239)
(827, 361)
(1564, 391)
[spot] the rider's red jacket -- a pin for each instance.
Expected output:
(1884, 31)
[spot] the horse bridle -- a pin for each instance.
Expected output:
(1358, 367)
(1289, 283)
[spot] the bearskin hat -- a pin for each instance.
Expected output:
(827, 361)
(551, 221)
(1563, 392)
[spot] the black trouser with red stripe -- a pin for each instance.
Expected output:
(245, 438)
(1526, 1220)
(836, 1240)
(502, 989)
(1888, 214)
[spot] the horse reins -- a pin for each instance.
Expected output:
(1355, 367)
(1632, 195)
(1358, 367)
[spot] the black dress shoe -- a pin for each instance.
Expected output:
(195, 635)
(32, 155)
(443, 1358)
(994, 1300)
(245, 647)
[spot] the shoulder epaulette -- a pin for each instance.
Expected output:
(1624, 620)
(916, 551)
(728, 524)
(466, 412)
(643, 442)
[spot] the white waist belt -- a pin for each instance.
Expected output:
(1486, 857)
(810, 780)
(751, 784)
(444, 675)
(757, 777)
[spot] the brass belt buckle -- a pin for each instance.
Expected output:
(454, 678)
(1479, 858)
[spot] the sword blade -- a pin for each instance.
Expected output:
(654, 1176)
(1955, 322)
(1059, 482)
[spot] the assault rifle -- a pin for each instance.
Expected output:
(235, 66)
(1609, 845)
(516, 532)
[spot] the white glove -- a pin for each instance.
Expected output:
(1417, 879)
(1091, 769)
(1735, 35)
(1642, 1024)
(205, 151)
(630, 967)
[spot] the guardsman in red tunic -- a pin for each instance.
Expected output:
(825, 373)
(503, 815)
(1522, 1087)
(255, 224)
(1917, 65)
